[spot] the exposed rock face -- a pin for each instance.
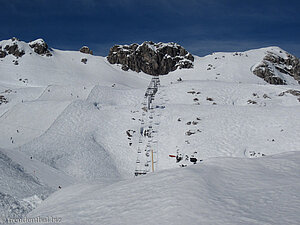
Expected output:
(2, 54)
(86, 50)
(40, 47)
(17, 48)
(292, 92)
(84, 60)
(273, 65)
(3, 99)
(151, 58)
(14, 50)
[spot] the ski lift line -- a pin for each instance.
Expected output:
(149, 102)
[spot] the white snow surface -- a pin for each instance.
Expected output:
(217, 191)
(39, 41)
(66, 122)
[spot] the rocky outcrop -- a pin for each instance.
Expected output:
(40, 47)
(266, 72)
(14, 50)
(84, 60)
(17, 48)
(151, 58)
(3, 100)
(2, 54)
(291, 91)
(275, 65)
(86, 50)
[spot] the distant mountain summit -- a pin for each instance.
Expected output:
(151, 58)
(18, 48)
(40, 47)
(278, 62)
(272, 65)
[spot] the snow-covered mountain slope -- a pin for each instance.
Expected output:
(218, 191)
(62, 68)
(233, 66)
(48, 84)
(25, 182)
(76, 141)
(80, 121)
(224, 119)
(89, 138)
(34, 92)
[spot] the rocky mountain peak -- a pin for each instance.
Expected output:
(151, 58)
(11, 47)
(18, 48)
(86, 50)
(40, 47)
(276, 65)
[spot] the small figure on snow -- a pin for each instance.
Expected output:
(178, 158)
(186, 157)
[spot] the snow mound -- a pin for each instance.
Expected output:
(69, 144)
(114, 96)
(218, 191)
(37, 41)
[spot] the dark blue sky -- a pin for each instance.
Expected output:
(202, 26)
